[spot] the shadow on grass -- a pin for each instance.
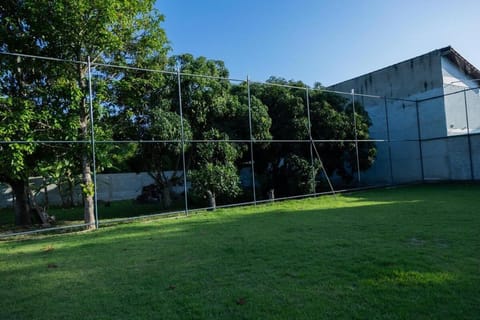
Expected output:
(132, 209)
(74, 216)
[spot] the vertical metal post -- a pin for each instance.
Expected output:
(314, 149)
(185, 190)
(252, 159)
(388, 139)
(472, 174)
(420, 140)
(92, 141)
(356, 135)
(307, 95)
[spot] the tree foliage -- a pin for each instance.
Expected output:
(49, 100)
(213, 109)
(119, 32)
(331, 117)
(215, 113)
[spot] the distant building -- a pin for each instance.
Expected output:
(427, 109)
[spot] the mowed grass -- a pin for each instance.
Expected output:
(403, 253)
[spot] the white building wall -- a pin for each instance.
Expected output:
(432, 114)
(473, 109)
(457, 103)
(416, 79)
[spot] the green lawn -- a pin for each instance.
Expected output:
(405, 253)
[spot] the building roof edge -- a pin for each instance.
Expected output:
(447, 52)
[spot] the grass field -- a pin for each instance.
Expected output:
(405, 253)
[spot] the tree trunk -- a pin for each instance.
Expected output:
(212, 203)
(163, 184)
(23, 215)
(271, 195)
(166, 198)
(88, 209)
(88, 187)
(71, 200)
(45, 193)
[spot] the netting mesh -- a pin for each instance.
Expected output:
(171, 142)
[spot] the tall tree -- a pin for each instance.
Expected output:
(206, 102)
(22, 113)
(148, 113)
(21, 123)
(285, 166)
(120, 32)
(216, 111)
(286, 108)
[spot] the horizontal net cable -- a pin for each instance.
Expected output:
(447, 94)
(41, 57)
(232, 140)
(106, 65)
(194, 141)
(52, 229)
(145, 216)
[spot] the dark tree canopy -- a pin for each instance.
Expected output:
(331, 117)
(119, 32)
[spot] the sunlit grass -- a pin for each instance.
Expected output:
(407, 253)
(412, 278)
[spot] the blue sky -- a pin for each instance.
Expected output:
(319, 40)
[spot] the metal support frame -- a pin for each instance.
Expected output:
(251, 141)
(387, 124)
(92, 140)
(469, 138)
(307, 96)
(420, 140)
(313, 148)
(324, 170)
(356, 137)
(180, 106)
(252, 159)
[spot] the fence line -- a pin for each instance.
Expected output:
(393, 154)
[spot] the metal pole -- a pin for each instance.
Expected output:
(183, 142)
(420, 140)
(324, 171)
(314, 148)
(252, 159)
(356, 135)
(388, 139)
(92, 141)
(472, 174)
(307, 95)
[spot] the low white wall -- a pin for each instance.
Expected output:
(110, 187)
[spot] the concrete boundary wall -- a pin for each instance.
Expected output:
(111, 187)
